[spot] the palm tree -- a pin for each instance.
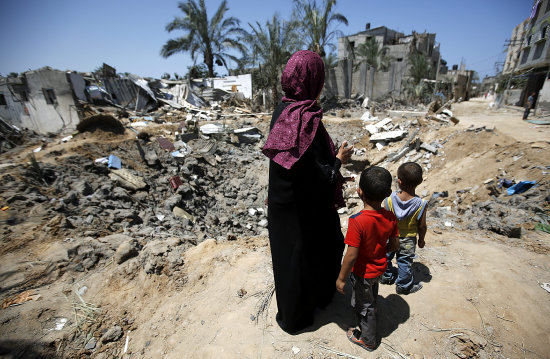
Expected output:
(374, 55)
(316, 23)
(271, 45)
(211, 38)
(420, 67)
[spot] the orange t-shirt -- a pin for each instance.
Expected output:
(369, 231)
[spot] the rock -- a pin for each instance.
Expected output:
(172, 202)
(126, 250)
(113, 334)
(91, 344)
(83, 188)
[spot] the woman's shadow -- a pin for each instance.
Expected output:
(393, 310)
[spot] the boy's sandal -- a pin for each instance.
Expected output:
(352, 338)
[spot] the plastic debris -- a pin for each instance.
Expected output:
(520, 187)
(545, 286)
(65, 139)
(37, 149)
(295, 350)
(114, 162)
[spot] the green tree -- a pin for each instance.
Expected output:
(374, 55)
(211, 38)
(318, 23)
(165, 76)
(270, 46)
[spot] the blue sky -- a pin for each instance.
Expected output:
(128, 34)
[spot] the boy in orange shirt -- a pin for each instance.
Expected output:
(371, 234)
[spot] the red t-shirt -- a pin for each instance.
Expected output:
(369, 231)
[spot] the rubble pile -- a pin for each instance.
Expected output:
(216, 194)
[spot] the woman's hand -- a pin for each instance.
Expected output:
(344, 152)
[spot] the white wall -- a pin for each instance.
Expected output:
(242, 82)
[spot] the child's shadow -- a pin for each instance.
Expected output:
(421, 273)
(392, 311)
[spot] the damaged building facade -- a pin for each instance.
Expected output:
(41, 100)
(353, 76)
(528, 58)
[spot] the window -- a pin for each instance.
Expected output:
(538, 50)
(3, 100)
(544, 31)
(529, 39)
(400, 59)
(49, 95)
(525, 56)
(547, 7)
(19, 92)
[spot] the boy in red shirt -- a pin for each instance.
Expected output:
(371, 234)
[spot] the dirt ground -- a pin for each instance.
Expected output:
(482, 295)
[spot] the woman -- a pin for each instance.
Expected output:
(305, 190)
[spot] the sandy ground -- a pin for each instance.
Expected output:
(482, 295)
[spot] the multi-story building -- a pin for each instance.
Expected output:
(514, 48)
(535, 54)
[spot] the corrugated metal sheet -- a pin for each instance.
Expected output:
(124, 93)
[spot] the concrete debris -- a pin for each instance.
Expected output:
(389, 136)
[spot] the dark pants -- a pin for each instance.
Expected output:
(363, 301)
(526, 113)
(404, 258)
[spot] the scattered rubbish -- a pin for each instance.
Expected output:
(5, 208)
(126, 344)
(60, 323)
(520, 187)
(37, 149)
(389, 136)
(65, 139)
(545, 286)
(178, 212)
(166, 144)
(101, 160)
(82, 290)
(20, 298)
(448, 224)
(138, 124)
(211, 128)
(248, 135)
(114, 162)
(127, 180)
(175, 182)
(295, 350)
(503, 182)
(440, 194)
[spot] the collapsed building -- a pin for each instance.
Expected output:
(53, 101)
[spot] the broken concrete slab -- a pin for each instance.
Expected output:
(389, 136)
(127, 180)
(395, 113)
(428, 148)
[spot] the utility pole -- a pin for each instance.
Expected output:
(437, 71)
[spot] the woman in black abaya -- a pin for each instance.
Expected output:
(305, 190)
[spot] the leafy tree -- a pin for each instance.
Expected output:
(210, 38)
(317, 23)
(270, 46)
(165, 76)
(374, 55)
(13, 74)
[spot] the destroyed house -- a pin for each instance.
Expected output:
(40, 100)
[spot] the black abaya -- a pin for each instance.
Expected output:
(304, 232)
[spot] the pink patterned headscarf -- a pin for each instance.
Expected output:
(293, 132)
